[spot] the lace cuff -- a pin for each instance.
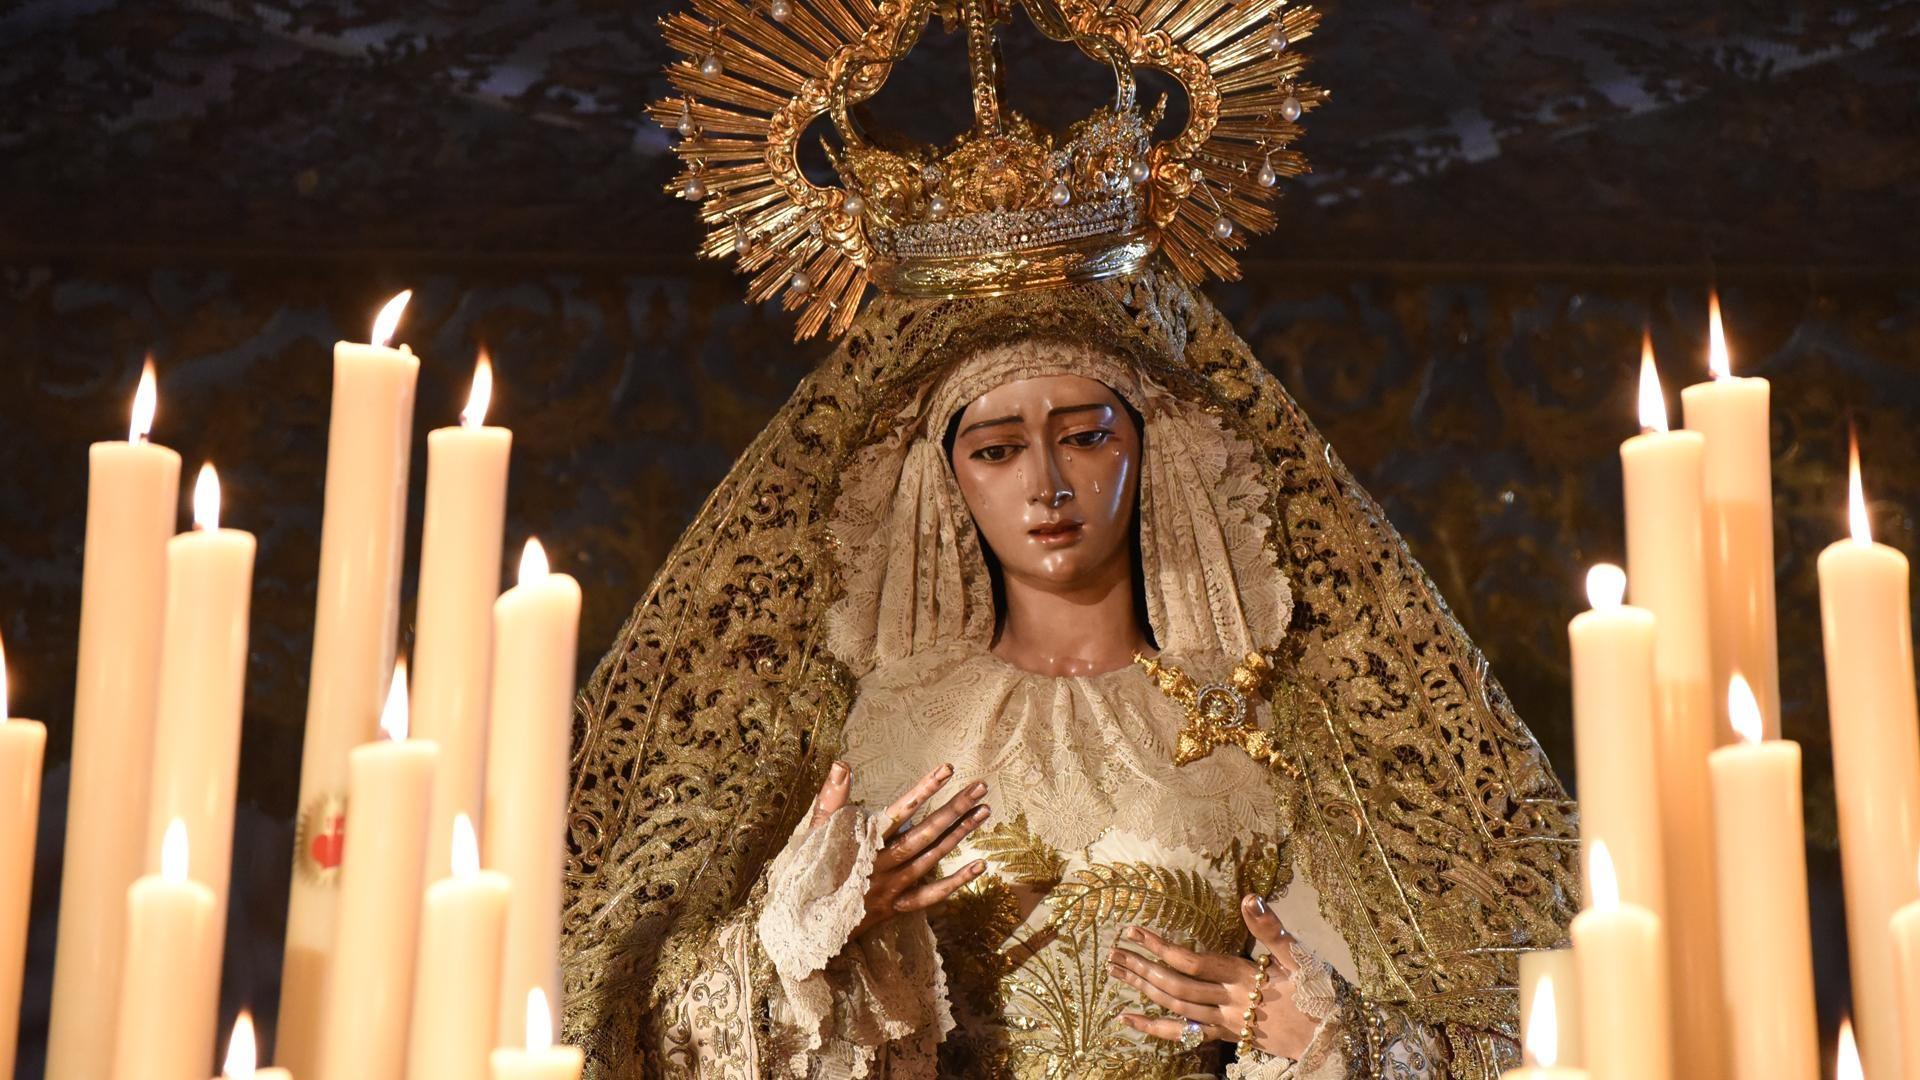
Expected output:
(848, 999)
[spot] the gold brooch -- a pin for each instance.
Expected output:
(1220, 713)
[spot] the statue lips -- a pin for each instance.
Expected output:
(1056, 533)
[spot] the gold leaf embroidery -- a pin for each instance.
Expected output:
(1177, 901)
(1020, 855)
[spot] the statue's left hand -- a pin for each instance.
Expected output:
(1215, 989)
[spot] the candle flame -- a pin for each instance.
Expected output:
(1862, 527)
(1718, 360)
(466, 847)
(173, 851)
(1543, 1034)
(1743, 709)
(393, 718)
(145, 399)
(1846, 1059)
(1606, 586)
(1602, 879)
(241, 1055)
(475, 414)
(533, 562)
(3, 683)
(539, 1021)
(389, 318)
(1653, 403)
(206, 499)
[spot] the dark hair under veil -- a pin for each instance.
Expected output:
(1432, 824)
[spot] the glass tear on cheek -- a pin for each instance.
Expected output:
(1096, 487)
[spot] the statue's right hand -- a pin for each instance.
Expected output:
(913, 850)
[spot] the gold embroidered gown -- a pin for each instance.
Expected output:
(832, 601)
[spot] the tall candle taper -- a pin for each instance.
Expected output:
(1766, 943)
(242, 1055)
(453, 631)
(132, 488)
(1623, 982)
(1614, 709)
(1731, 412)
(355, 618)
(370, 992)
(1868, 638)
(457, 981)
(168, 973)
(203, 676)
(1666, 567)
(23, 747)
(535, 625)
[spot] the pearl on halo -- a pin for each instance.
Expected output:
(801, 283)
(1140, 172)
(1266, 176)
(1223, 228)
(853, 204)
(780, 9)
(936, 207)
(696, 188)
(1290, 109)
(710, 66)
(1277, 38)
(1060, 196)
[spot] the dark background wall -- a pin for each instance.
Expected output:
(1505, 192)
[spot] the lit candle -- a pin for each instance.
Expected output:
(1765, 936)
(1667, 564)
(457, 981)
(1559, 965)
(1731, 412)
(1614, 706)
(1868, 640)
(23, 746)
(355, 618)
(453, 630)
(1905, 927)
(535, 624)
(1623, 982)
(203, 675)
(1542, 1041)
(1846, 1058)
(169, 970)
(370, 989)
(241, 1055)
(541, 1060)
(131, 491)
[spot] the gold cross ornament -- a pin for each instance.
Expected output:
(1219, 713)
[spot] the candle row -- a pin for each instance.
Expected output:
(156, 742)
(1696, 934)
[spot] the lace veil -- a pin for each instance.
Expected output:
(1418, 804)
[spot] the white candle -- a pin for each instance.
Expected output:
(131, 491)
(1905, 928)
(23, 746)
(1766, 940)
(370, 989)
(1667, 567)
(1731, 412)
(1542, 1040)
(535, 625)
(541, 1060)
(1558, 965)
(241, 1055)
(169, 970)
(1868, 640)
(357, 613)
(1614, 708)
(457, 981)
(1623, 983)
(203, 675)
(453, 631)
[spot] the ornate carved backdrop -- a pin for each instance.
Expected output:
(1504, 193)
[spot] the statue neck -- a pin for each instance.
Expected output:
(1085, 628)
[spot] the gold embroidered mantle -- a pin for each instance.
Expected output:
(1425, 810)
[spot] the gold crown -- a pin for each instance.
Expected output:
(1007, 205)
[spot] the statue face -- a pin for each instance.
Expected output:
(1050, 468)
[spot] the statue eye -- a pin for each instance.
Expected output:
(996, 452)
(1087, 440)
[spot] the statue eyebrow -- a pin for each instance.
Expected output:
(1051, 413)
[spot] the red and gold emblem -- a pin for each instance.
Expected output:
(321, 839)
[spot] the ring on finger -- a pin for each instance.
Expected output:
(1192, 1034)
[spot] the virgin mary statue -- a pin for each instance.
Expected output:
(1038, 695)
